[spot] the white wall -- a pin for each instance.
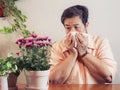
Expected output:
(44, 18)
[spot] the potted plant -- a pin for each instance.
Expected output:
(34, 57)
(7, 66)
(9, 10)
(12, 78)
(2, 6)
(6, 7)
(31, 58)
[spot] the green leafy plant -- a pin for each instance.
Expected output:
(17, 23)
(18, 19)
(35, 57)
(34, 52)
(8, 65)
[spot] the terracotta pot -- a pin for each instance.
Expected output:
(37, 80)
(12, 80)
(2, 4)
(1, 13)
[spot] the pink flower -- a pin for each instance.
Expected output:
(17, 53)
(30, 39)
(23, 41)
(39, 38)
(34, 35)
(29, 44)
(40, 43)
(45, 38)
(20, 45)
(49, 39)
(16, 42)
(20, 39)
(47, 43)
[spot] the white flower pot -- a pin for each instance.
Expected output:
(4, 83)
(37, 80)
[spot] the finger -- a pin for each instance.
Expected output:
(68, 38)
(66, 53)
(73, 41)
(73, 50)
(81, 36)
(78, 37)
(83, 39)
(79, 40)
(69, 42)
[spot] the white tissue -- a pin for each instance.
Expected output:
(73, 34)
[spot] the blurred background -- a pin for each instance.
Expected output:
(44, 18)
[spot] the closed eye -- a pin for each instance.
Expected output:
(68, 28)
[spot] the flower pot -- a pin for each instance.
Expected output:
(37, 80)
(2, 5)
(12, 80)
(1, 13)
(4, 83)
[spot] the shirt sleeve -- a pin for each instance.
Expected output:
(56, 55)
(105, 54)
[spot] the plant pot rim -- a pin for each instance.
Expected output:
(37, 73)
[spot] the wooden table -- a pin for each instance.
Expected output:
(80, 87)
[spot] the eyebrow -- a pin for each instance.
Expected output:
(73, 24)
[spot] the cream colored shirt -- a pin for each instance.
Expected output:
(98, 47)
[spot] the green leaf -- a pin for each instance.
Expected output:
(9, 65)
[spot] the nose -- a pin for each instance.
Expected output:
(73, 29)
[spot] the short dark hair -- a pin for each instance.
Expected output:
(77, 10)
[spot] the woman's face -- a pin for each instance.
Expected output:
(75, 24)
